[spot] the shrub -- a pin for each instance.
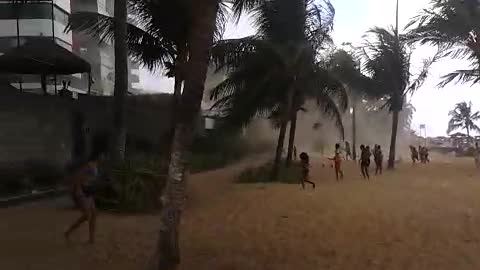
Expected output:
(262, 174)
(135, 186)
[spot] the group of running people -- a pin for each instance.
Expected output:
(421, 155)
(365, 160)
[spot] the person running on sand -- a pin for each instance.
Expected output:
(365, 161)
(378, 156)
(426, 155)
(337, 161)
(83, 190)
(348, 151)
(305, 165)
(414, 154)
(421, 153)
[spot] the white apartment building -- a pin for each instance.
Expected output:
(28, 21)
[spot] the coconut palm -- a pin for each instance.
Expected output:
(272, 73)
(345, 67)
(463, 118)
(121, 80)
(454, 26)
(203, 17)
(387, 60)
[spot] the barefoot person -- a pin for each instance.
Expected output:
(305, 164)
(378, 156)
(82, 178)
(337, 161)
(365, 161)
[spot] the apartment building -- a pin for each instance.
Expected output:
(20, 23)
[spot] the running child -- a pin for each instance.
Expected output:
(337, 160)
(305, 164)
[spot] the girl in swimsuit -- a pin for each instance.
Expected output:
(83, 191)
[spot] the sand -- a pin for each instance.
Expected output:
(423, 217)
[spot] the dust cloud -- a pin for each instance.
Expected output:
(318, 133)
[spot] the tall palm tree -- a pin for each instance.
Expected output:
(121, 80)
(462, 117)
(203, 17)
(271, 73)
(454, 26)
(346, 67)
(387, 60)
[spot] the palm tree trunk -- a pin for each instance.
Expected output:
(291, 138)
(281, 135)
(180, 63)
(468, 135)
(354, 131)
(393, 141)
(173, 196)
(121, 81)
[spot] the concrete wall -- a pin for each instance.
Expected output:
(34, 127)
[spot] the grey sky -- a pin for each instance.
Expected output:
(353, 19)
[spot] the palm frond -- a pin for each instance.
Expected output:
(228, 54)
(460, 76)
(422, 76)
(144, 47)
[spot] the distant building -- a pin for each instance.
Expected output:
(20, 23)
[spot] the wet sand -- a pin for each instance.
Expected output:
(423, 217)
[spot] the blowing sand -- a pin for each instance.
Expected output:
(426, 217)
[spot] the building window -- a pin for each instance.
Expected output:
(10, 11)
(60, 16)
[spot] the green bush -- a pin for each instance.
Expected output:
(135, 186)
(262, 174)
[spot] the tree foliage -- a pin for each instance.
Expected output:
(462, 117)
(453, 26)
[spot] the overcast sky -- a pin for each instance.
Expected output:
(353, 18)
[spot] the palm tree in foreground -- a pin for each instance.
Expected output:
(203, 16)
(121, 81)
(462, 117)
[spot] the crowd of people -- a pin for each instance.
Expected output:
(366, 153)
(337, 159)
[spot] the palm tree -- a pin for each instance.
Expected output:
(462, 117)
(203, 17)
(387, 60)
(345, 67)
(453, 26)
(121, 81)
(271, 73)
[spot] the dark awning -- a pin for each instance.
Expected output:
(42, 56)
